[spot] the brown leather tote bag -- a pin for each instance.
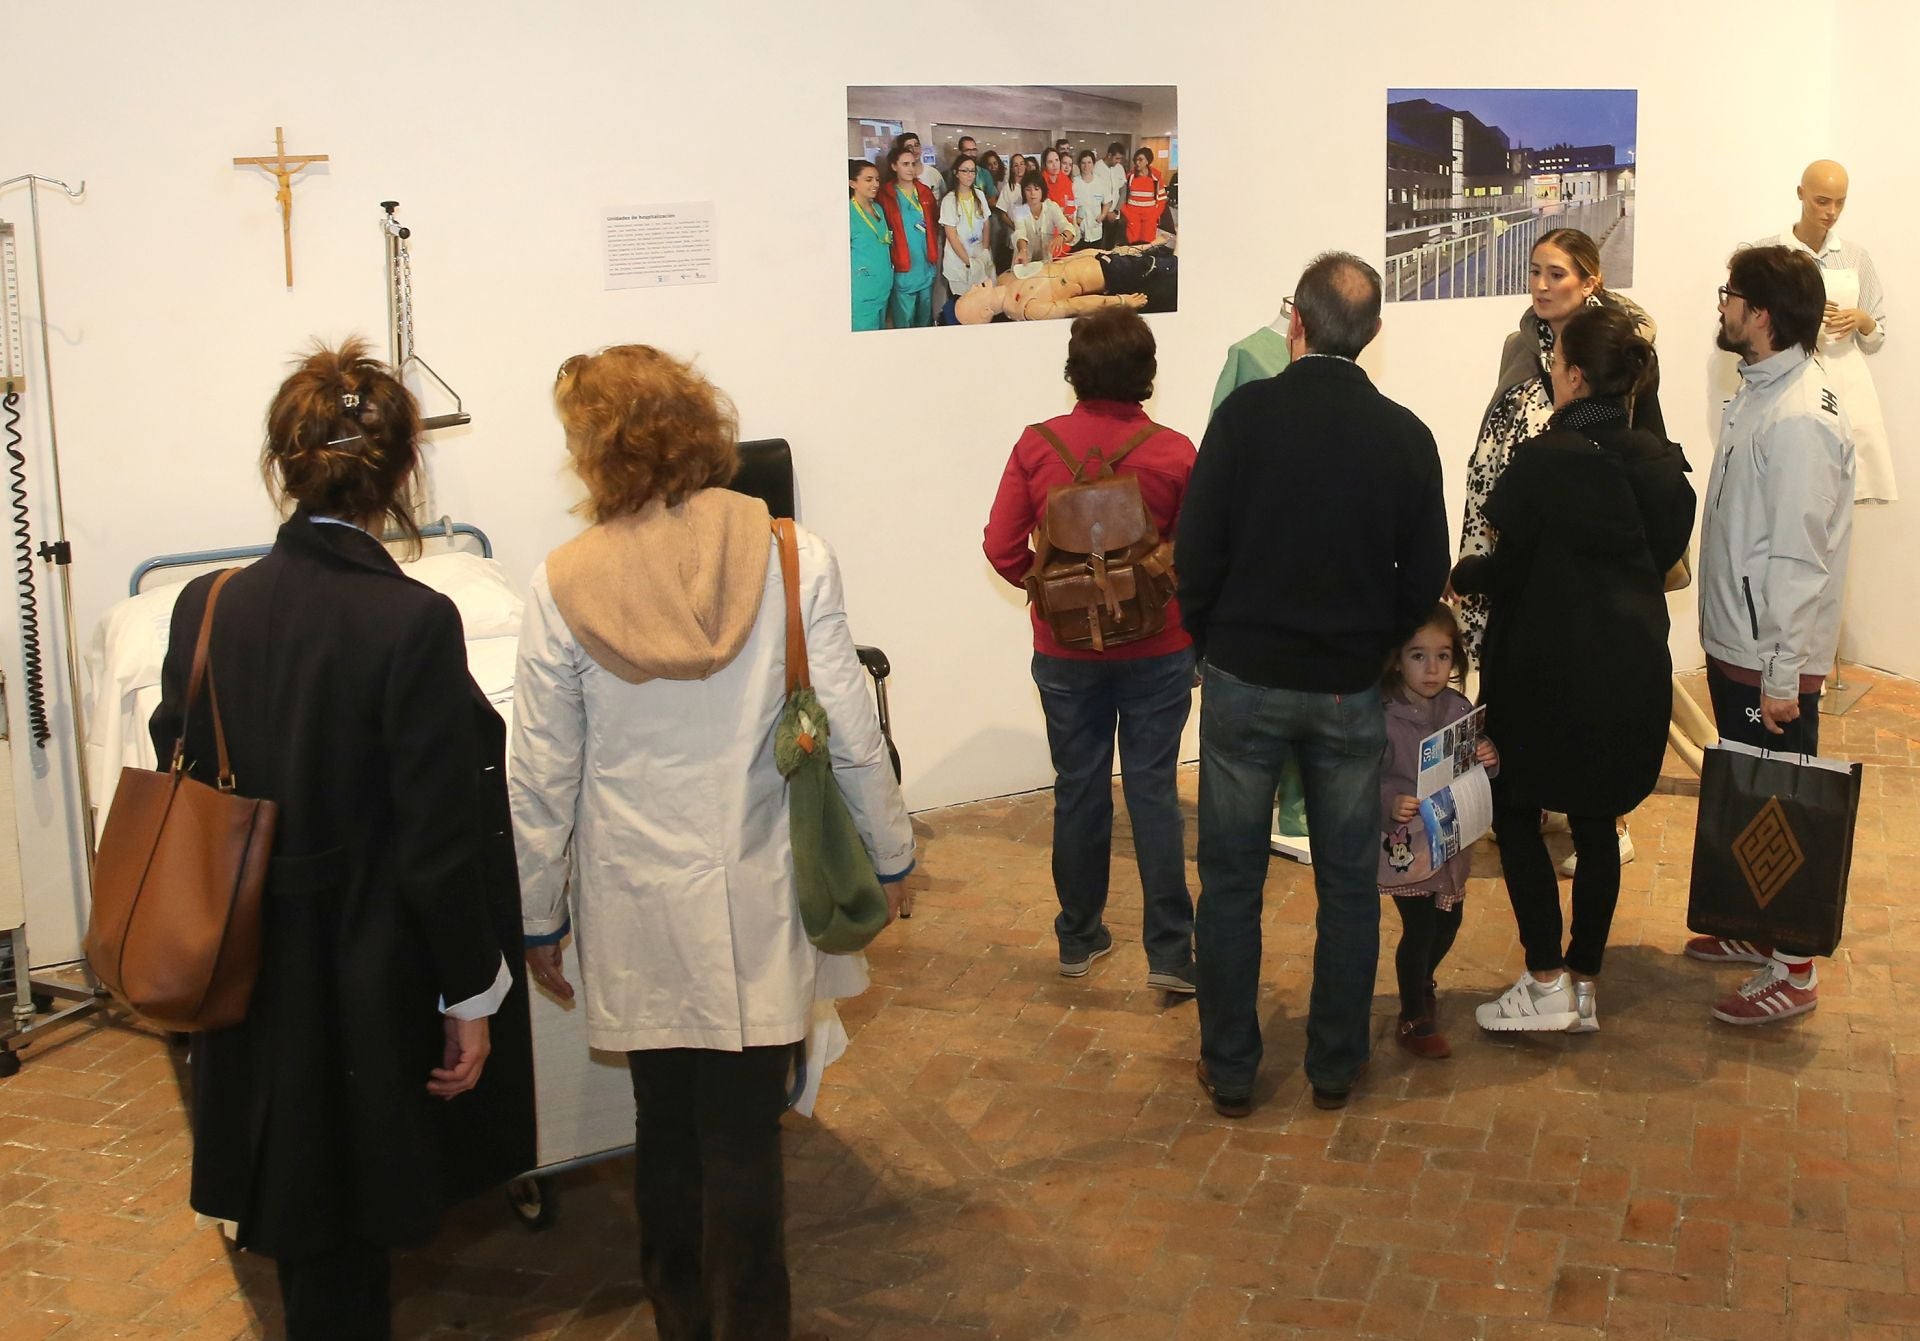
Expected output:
(175, 928)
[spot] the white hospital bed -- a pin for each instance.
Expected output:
(583, 1099)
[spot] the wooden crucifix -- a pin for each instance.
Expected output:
(284, 168)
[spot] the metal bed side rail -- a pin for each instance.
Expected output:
(444, 529)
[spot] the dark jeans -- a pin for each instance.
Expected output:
(708, 1185)
(1534, 889)
(1246, 734)
(340, 1295)
(1426, 934)
(1146, 699)
(1736, 715)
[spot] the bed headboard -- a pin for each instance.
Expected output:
(453, 533)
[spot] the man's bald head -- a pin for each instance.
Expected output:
(1823, 195)
(1338, 301)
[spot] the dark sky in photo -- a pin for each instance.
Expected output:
(1536, 117)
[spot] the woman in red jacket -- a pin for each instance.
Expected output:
(1142, 689)
(1146, 194)
(912, 217)
(1059, 174)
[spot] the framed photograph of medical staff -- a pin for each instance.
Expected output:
(1475, 176)
(968, 205)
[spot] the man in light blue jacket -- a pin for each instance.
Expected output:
(1773, 557)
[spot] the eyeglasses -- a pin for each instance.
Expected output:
(1286, 308)
(1726, 293)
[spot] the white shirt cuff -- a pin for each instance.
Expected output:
(479, 1007)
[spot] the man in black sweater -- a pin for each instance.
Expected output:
(1312, 542)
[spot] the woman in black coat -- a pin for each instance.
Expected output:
(1575, 671)
(337, 1121)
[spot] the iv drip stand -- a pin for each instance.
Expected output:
(59, 553)
(400, 317)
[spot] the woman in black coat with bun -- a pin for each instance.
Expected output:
(384, 1069)
(1575, 670)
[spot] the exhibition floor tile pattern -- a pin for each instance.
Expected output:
(1004, 1153)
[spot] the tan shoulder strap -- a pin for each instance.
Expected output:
(797, 677)
(1107, 464)
(203, 671)
(1060, 449)
(1145, 431)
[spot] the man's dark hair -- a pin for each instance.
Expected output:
(1117, 148)
(1338, 298)
(1784, 283)
(1110, 356)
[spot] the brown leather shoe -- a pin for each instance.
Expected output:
(1226, 1105)
(1420, 1038)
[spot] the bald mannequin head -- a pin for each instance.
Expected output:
(1823, 194)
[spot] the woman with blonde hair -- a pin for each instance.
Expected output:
(652, 673)
(384, 1069)
(1563, 279)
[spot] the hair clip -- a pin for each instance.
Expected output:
(349, 400)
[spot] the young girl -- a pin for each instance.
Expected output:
(1420, 699)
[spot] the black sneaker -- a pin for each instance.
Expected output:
(1226, 1105)
(1179, 981)
(1077, 968)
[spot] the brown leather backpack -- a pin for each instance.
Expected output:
(1102, 576)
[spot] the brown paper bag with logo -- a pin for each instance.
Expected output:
(1773, 848)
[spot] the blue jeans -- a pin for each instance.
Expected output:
(1147, 700)
(1247, 732)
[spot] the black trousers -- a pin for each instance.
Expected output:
(711, 1195)
(1534, 890)
(340, 1295)
(1736, 715)
(1426, 934)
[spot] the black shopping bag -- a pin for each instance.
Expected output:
(1773, 848)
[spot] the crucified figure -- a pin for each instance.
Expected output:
(284, 167)
(1143, 278)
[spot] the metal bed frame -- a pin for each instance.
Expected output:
(445, 529)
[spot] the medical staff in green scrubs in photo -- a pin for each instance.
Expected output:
(872, 242)
(909, 208)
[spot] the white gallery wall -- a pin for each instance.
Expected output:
(505, 129)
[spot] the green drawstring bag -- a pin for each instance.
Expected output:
(842, 905)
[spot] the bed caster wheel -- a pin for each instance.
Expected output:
(532, 1202)
(9, 1063)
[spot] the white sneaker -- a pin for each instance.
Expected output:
(1586, 1007)
(1554, 821)
(1533, 1007)
(1627, 853)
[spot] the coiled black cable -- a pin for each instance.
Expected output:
(23, 568)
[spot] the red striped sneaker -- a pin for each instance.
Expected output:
(1713, 950)
(1767, 996)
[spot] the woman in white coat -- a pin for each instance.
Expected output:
(965, 217)
(1044, 231)
(644, 791)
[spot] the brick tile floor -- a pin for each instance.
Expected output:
(1004, 1153)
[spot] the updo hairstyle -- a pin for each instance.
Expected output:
(343, 440)
(1606, 345)
(643, 425)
